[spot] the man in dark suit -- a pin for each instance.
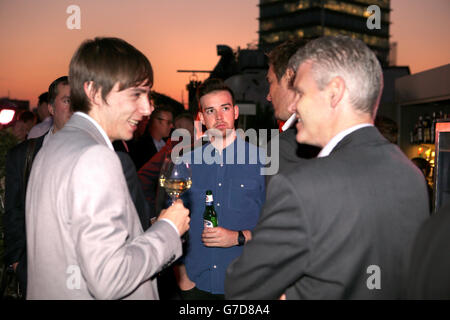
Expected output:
(429, 276)
(280, 78)
(17, 177)
(158, 130)
(340, 226)
(14, 218)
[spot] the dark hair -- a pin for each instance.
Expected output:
(27, 116)
(105, 62)
(43, 98)
(185, 115)
(53, 88)
(280, 55)
(211, 85)
(158, 110)
(387, 127)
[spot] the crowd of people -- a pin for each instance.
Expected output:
(345, 217)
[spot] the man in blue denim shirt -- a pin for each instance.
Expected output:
(232, 169)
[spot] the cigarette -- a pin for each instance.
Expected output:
(289, 122)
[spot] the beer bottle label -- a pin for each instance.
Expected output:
(208, 224)
(209, 198)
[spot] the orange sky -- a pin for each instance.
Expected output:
(36, 46)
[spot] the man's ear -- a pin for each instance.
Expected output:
(94, 95)
(50, 109)
(290, 76)
(200, 116)
(236, 112)
(336, 89)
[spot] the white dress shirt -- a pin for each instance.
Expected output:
(99, 128)
(337, 138)
(159, 144)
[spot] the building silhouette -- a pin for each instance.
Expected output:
(281, 20)
(6, 102)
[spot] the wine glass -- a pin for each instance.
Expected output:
(175, 177)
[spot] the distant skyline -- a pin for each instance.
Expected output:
(36, 45)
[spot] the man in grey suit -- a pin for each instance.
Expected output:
(85, 240)
(340, 226)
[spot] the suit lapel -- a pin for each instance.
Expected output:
(79, 122)
(363, 136)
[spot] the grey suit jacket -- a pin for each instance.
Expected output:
(326, 227)
(85, 240)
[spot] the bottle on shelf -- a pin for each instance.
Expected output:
(420, 130)
(433, 127)
(426, 129)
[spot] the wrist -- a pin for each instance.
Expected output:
(240, 238)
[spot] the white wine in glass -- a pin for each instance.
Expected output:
(175, 178)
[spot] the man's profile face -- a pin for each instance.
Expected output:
(279, 94)
(164, 123)
(218, 111)
(123, 110)
(42, 111)
(21, 129)
(310, 107)
(28, 125)
(60, 110)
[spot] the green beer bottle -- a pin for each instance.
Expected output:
(210, 215)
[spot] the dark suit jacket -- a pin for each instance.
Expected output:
(290, 152)
(136, 192)
(429, 276)
(14, 219)
(142, 150)
(325, 225)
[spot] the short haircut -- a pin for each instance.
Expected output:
(280, 55)
(159, 110)
(43, 98)
(387, 127)
(105, 62)
(27, 116)
(185, 115)
(350, 59)
(53, 88)
(211, 85)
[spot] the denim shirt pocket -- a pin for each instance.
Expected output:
(241, 192)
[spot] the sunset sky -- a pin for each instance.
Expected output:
(36, 45)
